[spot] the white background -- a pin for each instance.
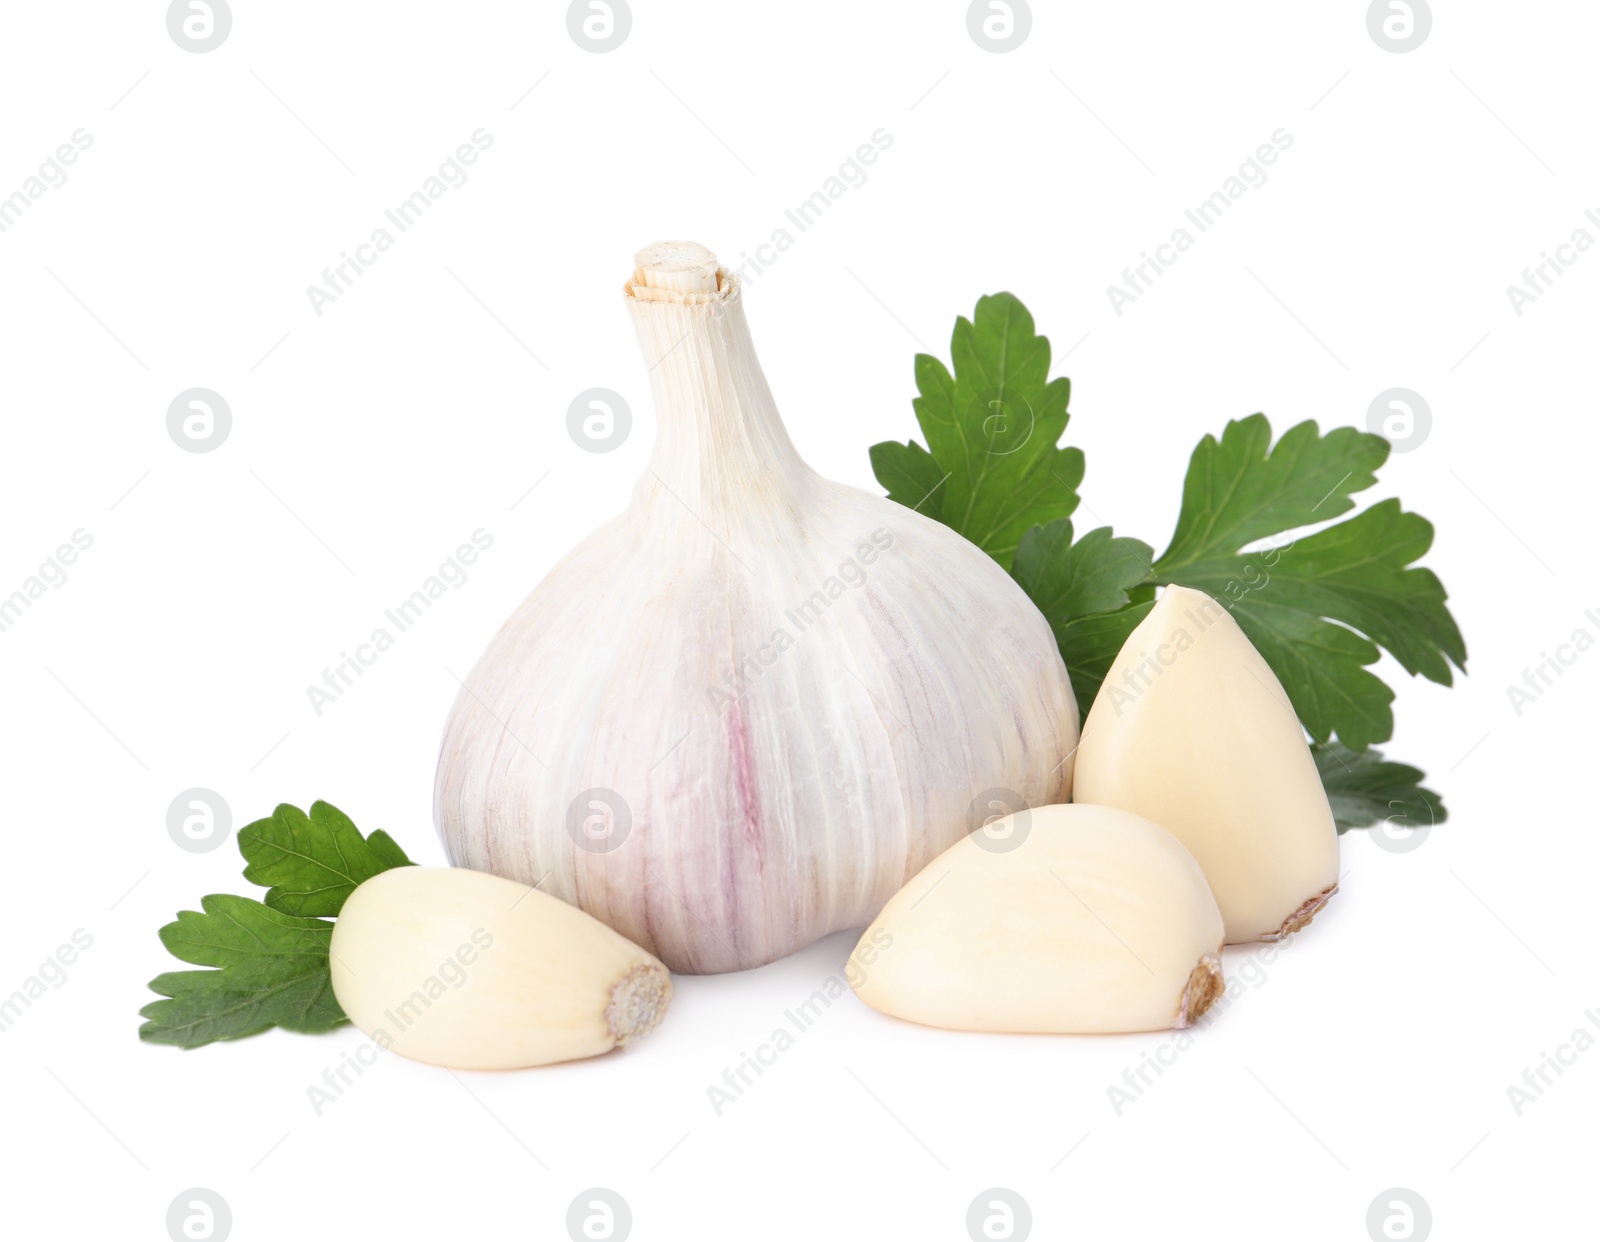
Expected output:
(369, 441)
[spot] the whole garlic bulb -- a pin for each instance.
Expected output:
(742, 714)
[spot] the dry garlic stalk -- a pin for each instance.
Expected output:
(1063, 919)
(1193, 730)
(737, 717)
(467, 970)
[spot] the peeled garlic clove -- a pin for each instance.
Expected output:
(1193, 730)
(1061, 919)
(738, 716)
(471, 971)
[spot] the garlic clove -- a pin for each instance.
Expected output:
(467, 970)
(1061, 919)
(737, 717)
(1192, 730)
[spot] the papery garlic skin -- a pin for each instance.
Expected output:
(1192, 730)
(470, 971)
(1058, 920)
(739, 716)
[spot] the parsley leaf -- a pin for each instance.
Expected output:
(1237, 491)
(271, 958)
(1317, 608)
(310, 864)
(992, 467)
(1366, 789)
(1320, 608)
(1086, 591)
(272, 971)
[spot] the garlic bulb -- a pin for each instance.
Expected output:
(458, 968)
(1192, 729)
(1064, 919)
(737, 717)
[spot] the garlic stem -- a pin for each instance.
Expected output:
(684, 268)
(720, 443)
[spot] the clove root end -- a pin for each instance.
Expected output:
(1201, 992)
(638, 1003)
(1302, 916)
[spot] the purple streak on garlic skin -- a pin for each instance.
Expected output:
(772, 801)
(739, 754)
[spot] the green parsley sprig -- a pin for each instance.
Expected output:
(1318, 607)
(269, 958)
